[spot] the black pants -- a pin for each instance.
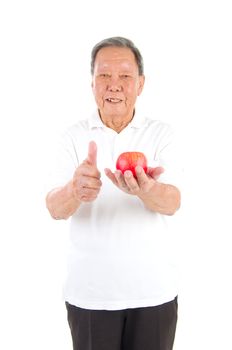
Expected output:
(149, 328)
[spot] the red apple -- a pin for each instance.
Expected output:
(129, 160)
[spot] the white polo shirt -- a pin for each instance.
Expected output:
(121, 254)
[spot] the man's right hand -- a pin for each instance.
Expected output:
(86, 179)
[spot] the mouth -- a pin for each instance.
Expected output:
(113, 100)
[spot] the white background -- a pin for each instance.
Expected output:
(45, 86)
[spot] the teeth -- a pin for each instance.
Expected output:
(113, 100)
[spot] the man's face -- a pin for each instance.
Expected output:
(116, 82)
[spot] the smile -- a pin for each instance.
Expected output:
(113, 100)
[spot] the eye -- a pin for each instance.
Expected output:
(125, 76)
(104, 75)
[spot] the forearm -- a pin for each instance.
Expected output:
(61, 202)
(162, 198)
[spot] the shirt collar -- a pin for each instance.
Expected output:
(96, 122)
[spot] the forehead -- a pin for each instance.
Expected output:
(117, 56)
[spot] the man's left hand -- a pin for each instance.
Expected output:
(141, 184)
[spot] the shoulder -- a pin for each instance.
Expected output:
(75, 131)
(80, 126)
(83, 126)
(158, 128)
(157, 123)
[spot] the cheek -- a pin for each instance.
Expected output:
(132, 93)
(132, 89)
(98, 91)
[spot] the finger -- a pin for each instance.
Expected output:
(111, 176)
(90, 183)
(142, 178)
(88, 195)
(120, 180)
(92, 153)
(131, 182)
(155, 172)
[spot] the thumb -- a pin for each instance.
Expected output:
(92, 153)
(155, 172)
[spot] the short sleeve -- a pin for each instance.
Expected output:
(63, 163)
(169, 156)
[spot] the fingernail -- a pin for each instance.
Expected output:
(138, 169)
(117, 173)
(128, 173)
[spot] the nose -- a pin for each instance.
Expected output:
(114, 84)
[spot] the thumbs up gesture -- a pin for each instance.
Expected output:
(86, 179)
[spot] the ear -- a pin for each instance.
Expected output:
(141, 84)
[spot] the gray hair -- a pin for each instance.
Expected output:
(118, 42)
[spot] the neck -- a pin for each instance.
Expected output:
(116, 123)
